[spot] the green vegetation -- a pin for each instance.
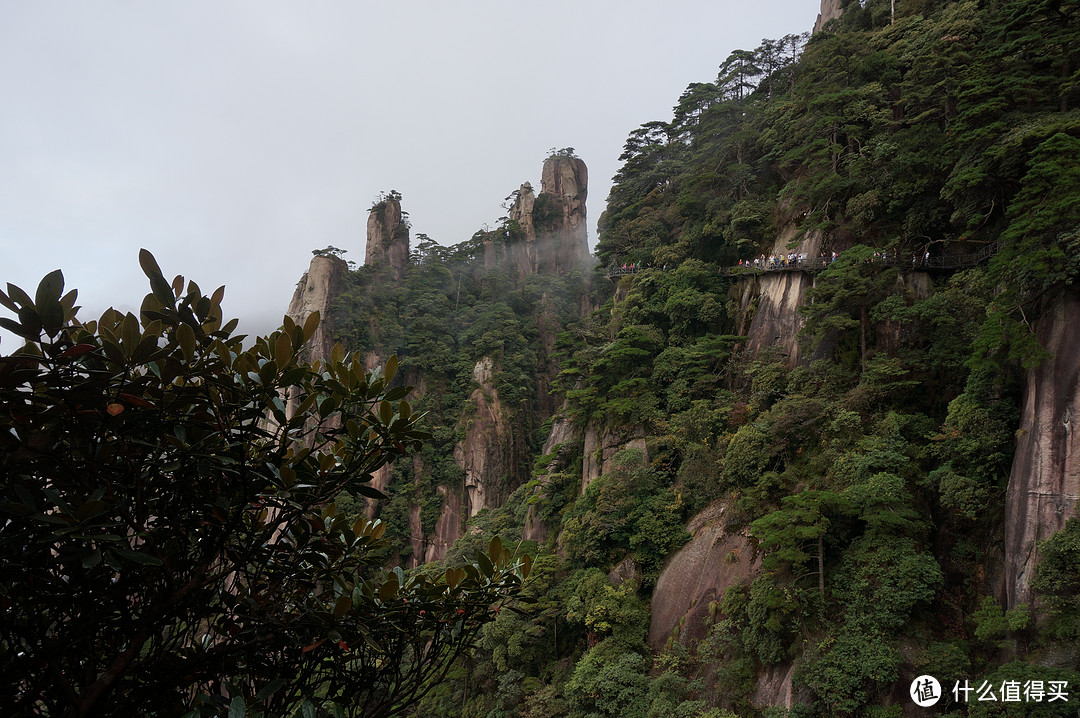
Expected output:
(869, 476)
(861, 483)
(449, 312)
(168, 541)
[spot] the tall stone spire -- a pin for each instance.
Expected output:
(830, 10)
(387, 239)
(553, 222)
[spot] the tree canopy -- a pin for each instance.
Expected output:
(169, 543)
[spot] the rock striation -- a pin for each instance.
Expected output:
(314, 292)
(769, 303)
(492, 452)
(387, 248)
(830, 10)
(554, 236)
(697, 575)
(1044, 483)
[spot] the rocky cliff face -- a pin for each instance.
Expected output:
(555, 238)
(602, 443)
(448, 528)
(697, 575)
(560, 444)
(387, 240)
(1044, 484)
(769, 303)
(830, 10)
(492, 451)
(314, 293)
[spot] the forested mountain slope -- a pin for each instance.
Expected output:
(757, 491)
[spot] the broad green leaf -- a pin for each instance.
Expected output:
(311, 324)
(185, 336)
(342, 606)
(158, 285)
(137, 557)
(370, 492)
(484, 563)
(50, 288)
(6, 301)
(390, 587)
(270, 689)
(31, 322)
(18, 295)
(283, 350)
(129, 333)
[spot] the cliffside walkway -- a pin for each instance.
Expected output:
(622, 271)
(946, 263)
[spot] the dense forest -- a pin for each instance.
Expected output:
(856, 473)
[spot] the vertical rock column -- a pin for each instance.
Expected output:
(555, 237)
(1044, 483)
(522, 257)
(316, 289)
(561, 232)
(387, 240)
(830, 10)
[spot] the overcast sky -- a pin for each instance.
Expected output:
(231, 138)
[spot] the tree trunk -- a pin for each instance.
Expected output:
(821, 566)
(864, 319)
(1066, 72)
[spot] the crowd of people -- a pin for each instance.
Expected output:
(801, 260)
(794, 260)
(634, 267)
(791, 260)
(784, 261)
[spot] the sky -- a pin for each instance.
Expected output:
(233, 137)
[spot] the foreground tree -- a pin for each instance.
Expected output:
(168, 539)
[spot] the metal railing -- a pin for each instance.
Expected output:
(945, 262)
(623, 271)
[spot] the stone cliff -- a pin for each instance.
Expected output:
(314, 292)
(830, 10)
(387, 239)
(552, 223)
(550, 237)
(768, 303)
(696, 576)
(492, 451)
(1044, 484)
